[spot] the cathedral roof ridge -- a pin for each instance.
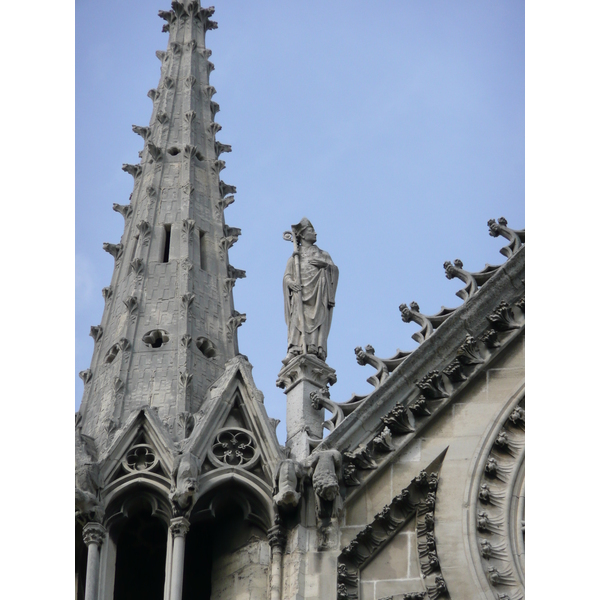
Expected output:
(440, 338)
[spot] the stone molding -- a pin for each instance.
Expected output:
(417, 499)
(498, 493)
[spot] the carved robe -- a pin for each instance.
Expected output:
(318, 298)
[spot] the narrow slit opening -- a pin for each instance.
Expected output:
(134, 249)
(167, 243)
(202, 235)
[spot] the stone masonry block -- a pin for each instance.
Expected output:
(391, 562)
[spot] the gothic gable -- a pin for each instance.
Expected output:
(232, 427)
(142, 447)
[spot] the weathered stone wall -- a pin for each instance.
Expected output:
(463, 428)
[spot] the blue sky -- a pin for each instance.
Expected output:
(396, 127)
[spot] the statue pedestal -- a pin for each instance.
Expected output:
(302, 375)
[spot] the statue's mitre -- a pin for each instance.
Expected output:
(299, 228)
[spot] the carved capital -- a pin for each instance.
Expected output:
(93, 533)
(179, 527)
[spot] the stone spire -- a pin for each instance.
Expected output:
(169, 324)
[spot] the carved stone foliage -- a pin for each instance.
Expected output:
(186, 302)
(136, 266)
(123, 209)
(180, 13)
(185, 425)
(96, 332)
(516, 238)
(189, 81)
(425, 527)
(131, 302)
(406, 419)
(86, 376)
(94, 533)
(226, 189)
(217, 166)
(234, 322)
(234, 447)
(155, 152)
(134, 170)
(145, 230)
(503, 318)
(115, 250)
(220, 148)
(416, 499)
(209, 91)
(213, 128)
(187, 227)
(185, 380)
(107, 293)
(500, 507)
(501, 321)
(234, 273)
(223, 203)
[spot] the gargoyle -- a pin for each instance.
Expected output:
(325, 469)
(184, 483)
(289, 483)
(88, 481)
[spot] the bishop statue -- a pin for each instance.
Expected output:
(309, 286)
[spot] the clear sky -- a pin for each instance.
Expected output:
(396, 127)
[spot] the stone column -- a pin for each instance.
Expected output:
(276, 536)
(302, 375)
(179, 528)
(93, 536)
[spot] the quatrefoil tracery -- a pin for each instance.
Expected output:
(234, 447)
(140, 457)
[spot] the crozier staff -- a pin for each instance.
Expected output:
(309, 286)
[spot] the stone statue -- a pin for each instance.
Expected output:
(289, 483)
(309, 286)
(325, 468)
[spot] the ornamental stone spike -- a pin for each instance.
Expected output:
(171, 247)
